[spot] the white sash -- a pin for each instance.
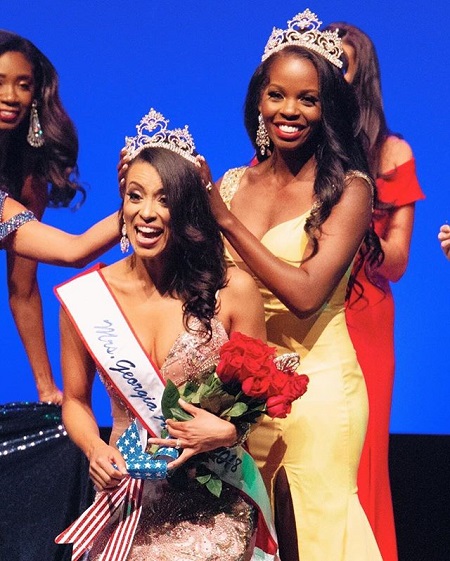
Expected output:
(119, 356)
(111, 342)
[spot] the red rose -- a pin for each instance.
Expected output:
(255, 348)
(249, 346)
(242, 357)
(296, 386)
(229, 367)
(255, 368)
(278, 382)
(278, 406)
(256, 387)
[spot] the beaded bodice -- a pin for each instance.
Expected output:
(13, 223)
(186, 523)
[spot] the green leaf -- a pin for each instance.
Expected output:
(180, 414)
(169, 399)
(189, 389)
(214, 485)
(203, 479)
(236, 410)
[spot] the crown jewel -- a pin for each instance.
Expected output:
(152, 132)
(303, 31)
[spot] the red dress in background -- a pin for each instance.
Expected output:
(370, 322)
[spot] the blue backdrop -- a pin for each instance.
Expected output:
(192, 59)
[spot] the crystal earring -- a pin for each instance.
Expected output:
(124, 241)
(262, 137)
(35, 136)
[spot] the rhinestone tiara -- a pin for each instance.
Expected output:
(303, 31)
(152, 132)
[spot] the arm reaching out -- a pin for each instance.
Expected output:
(304, 288)
(50, 245)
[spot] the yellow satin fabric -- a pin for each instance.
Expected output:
(319, 444)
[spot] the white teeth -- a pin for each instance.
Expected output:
(147, 230)
(288, 128)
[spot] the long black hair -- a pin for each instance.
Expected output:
(367, 85)
(59, 153)
(339, 148)
(196, 261)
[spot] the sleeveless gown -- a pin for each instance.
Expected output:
(319, 444)
(370, 322)
(185, 523)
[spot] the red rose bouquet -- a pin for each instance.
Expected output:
(247, 382)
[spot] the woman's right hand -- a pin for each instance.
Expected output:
(102, 470)
(218, 207)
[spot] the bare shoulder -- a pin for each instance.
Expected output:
(240, 282)
(11, 208)
(241, 291)
(395, 152)
(241, 304)
(114, 274)
(359, 188)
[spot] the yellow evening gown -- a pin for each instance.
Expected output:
(319, 443)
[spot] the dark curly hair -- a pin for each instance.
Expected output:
(196, 261)
(60, 150)
(339, 148)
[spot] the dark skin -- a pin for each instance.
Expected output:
(280, 189)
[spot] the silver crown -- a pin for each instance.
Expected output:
(152, 132)
(303, 31)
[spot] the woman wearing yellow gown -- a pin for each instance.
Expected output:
(296, 221)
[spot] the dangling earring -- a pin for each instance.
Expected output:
(35, 136)
(262, 137)
(124, 241)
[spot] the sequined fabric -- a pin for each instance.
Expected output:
(13, 223)
(188, 525)
(183, 521)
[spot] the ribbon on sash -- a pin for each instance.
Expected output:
(119, 356)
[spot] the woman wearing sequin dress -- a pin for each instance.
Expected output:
(370, 308)
(181, 305)
(296, 221)
(38, 147)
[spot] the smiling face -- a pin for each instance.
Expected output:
(16, 89)
(145, 211)
(290, 103)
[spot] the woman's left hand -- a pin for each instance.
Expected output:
(203, 433)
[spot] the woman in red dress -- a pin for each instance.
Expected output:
(370, 308)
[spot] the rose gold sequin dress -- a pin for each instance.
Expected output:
(185, 522)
